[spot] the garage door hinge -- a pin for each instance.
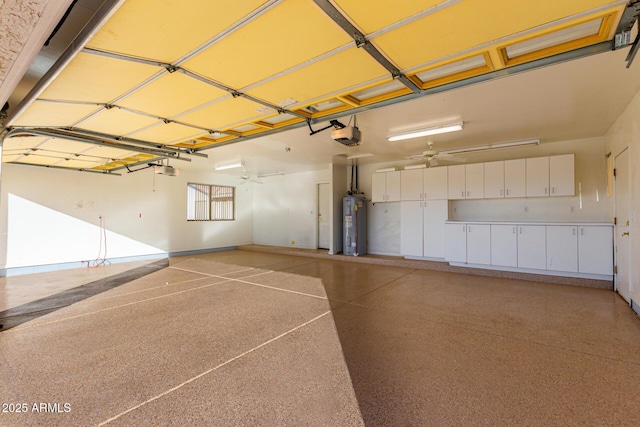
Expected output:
(615, 220)
(615, 269)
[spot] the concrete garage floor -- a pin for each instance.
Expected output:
(249, 338)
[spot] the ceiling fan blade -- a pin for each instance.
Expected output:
(415, 156)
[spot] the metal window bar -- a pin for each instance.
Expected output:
(222, 203)
(198, 208)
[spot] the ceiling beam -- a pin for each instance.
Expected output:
(361, 41)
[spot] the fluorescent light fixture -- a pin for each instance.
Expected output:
(265, 175)
(420, 166)
(224, 166)
(359, 156)
(387, 170)
(492, 146)
(434, 130)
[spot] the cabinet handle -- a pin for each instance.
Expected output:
(508, 192)
(553, 190)
(514, 230)
(502, 192)
(573, 230)
(546, 190)
(464, 228)
(520, 230)
(468, 193)
(463, 194)
(582, 231)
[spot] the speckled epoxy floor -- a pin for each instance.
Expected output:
(244, 338)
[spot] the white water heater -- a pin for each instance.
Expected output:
(354, 228)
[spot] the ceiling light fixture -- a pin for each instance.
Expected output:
(224, 166)
(434, 130)
(359, 156)
(492, 146)
(266, 175)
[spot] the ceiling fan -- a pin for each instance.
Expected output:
(433, 157)
(246, 177)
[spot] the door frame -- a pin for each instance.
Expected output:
(619, 227)
(317, 222)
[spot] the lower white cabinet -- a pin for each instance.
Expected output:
(555, 248)
(422, 228)
(562, 248)
(532, 247)
(479, 244)
(595, 249)
(455, 243)
(504, 245)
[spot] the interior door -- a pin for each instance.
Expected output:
(621, 239)
(324, 229)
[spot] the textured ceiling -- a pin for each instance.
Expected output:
(160, 80)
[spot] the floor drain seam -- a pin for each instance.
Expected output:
(215, 368)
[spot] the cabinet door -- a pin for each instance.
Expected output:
(435, 183)
(378, 187)
(393, 186)
(474, 181)
(411, 229)
(562, 175)
(436, 213)
(504, 245)
(537, 176)
(455, 242)
(562, 248)
(411, 184)
(493, 180)
(479, 244)
(595, 250)
(456, 182)
(532, 247)
(515, 178)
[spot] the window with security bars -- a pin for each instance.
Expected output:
(210, 202)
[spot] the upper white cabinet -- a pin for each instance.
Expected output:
(411, 185)
(595, 249)
(537, 176)
(474, 181)
(562, 175)
(435, 183)
(385, 186)
(562, 248)
(550, 176)
(515, 178)
(494, 180)
(456, 182)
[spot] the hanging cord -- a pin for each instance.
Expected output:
(103, 237)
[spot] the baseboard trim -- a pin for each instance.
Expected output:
(635, 307)
(47, 268)
(202, 251)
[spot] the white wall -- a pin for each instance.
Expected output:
(625, 132)
(140, 216)
(285, 210)
(384, 218)
(339, 190)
